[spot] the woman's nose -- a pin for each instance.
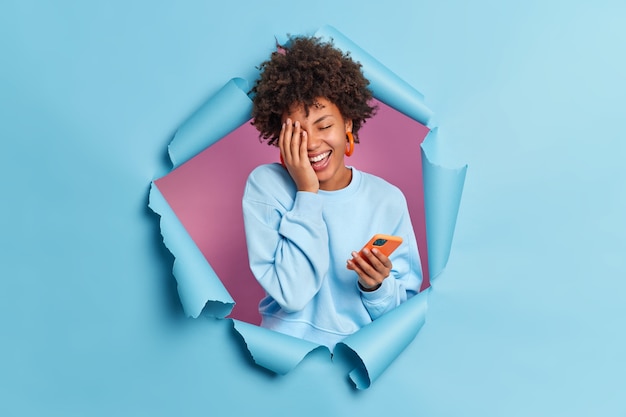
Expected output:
(313, 141)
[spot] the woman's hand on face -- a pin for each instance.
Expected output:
(293, 148)
(372, 267)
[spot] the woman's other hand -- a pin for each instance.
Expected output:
(372, 267)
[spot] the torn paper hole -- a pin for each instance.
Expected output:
(200, 206)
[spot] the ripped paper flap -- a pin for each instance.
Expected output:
(387, 86)
(198, 286)
(228, 109)
(372, 349)
(275, 351)
(443, 188)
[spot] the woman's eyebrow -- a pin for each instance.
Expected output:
(321, 119)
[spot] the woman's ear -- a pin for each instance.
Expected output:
(348, 125)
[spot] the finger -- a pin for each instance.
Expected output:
(371, 259)
(363, 277)
(295, 142)
(372, 265)
(281, 140)
(364, 265)
(304, 153)
(382, 258)
(287, 141)
(350, 265)
(366, 281)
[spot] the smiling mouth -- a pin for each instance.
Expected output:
(319, 157)
(319, 162)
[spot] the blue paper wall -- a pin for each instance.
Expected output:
(528, 317)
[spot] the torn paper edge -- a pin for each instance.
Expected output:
(221, 114)
(387, 86)
(443, 188)
(199, 287)
(374, 347)
(280, 353)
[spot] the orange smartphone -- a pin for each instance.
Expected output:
(384, 243)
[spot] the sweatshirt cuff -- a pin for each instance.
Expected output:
(382, 294)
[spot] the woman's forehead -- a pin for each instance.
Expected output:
(299, 109)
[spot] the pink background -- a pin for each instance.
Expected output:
(205, 193)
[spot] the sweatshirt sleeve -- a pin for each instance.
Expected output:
(405, 278)
(287, 246)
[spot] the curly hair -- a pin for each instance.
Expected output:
(302, 71)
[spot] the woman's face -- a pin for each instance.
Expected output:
(326, 130)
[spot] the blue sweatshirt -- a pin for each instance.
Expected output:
(298, 245)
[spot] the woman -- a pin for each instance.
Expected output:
(304, 217)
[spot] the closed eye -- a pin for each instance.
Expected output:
(326, 127)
